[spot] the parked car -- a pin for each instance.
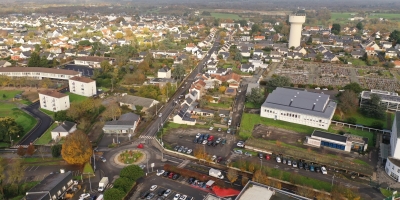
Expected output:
(191, 180)
(214, 144)
(161, 192)
(176, 147)
(219, 159)
(198, 135)
(150, 196)
(300, 165)
(176, 176)
(228, 131)
(206, 136)
(219, 129)
(223, 141)
(200, 140)
(306, 167)
(209, 142)
(317, 169)
(205, 141)
(278, 159)
(167, 193)
(183, 197)
(240, 144)
(195, 140)
(284, 161)
(289, 162)
(180, 149)
(211, 138)
(166, 174)
(189, 151)
(213, 158)
(153, 187)
(144, 195)
(103, 159)
(238, 151)
(218, 140)
(268, 157)
(176, 197)
(170, 175)
(211, 128)
(312, 168)
(294, 164)
(260, 155)
(161, 172)
(185, 150)
(323, 170)
(248, 154)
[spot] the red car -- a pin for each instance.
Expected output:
(268, 157)
(170, 175)
(210, 138)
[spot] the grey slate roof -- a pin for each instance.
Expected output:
(301, 101)
(51, 184)
(66, 126)
(331, 136)
(397, 117)
(137, 101)
(125, 121)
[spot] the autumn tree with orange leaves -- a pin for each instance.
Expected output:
(76, 149)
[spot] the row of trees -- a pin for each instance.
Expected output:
(25, 81)
(122, 185)
(36, 61)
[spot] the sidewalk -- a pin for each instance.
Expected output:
(384, 179)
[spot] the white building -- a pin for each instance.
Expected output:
(300, 107)
(164, 72)
(392, 167)
(296, 23)
(54, 101)
(91, 61)
(346, 142)
(38, 73)
(390, 100)
(63, 130)
(82, 86)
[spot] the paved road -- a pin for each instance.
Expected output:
(153, 128)
(43, 123)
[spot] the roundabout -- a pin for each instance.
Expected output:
(130, 156)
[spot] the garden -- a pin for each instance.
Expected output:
(130, 156)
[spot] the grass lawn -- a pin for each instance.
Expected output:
(75, 97)
(385, 15)
(388, 193)
(8, 94)
(357, 62)
(252, 105)
(48, 112)
(225, 16)
(88, 169)
(219, 105)
(366, 121)
(249, 120)
(4, 144)
(46, 137)
(22, 118)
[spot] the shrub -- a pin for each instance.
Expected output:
(351, 120)
(377, 125)
(132, 172)
(123, 184)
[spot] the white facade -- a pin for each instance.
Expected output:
(91, 61)
(38, 73)
(54, 101)
(164, 73)
(82, 86)
(178, 120)
(296, 23)
(392, 167)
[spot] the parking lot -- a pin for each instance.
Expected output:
(85, 70)
(179, 186)
(185, 137)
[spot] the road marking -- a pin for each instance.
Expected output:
(147, 137)
(36, 168)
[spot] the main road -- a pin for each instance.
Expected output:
(157, 123)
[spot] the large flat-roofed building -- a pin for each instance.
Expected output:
(392, 166)
(253, 190)
(82, 86)
(390, 100)
(300, 107)
(52, 187)
(53, 101)
(38, 73)
(91, 61)
(346, 142)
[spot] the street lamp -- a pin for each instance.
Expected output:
(333, 178)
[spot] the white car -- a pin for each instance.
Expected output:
(103, 159)
(213, 158)
(211, 128)
(159, 173)
(323, 170)
(238, 151)
(240, 144)
(278, 159)
(176, 197)
(229, 122)
(153, 187)
(183, 197)
(160, 115)
(84, 195)
(189, 151)
(205, 141)
(166, 193)
(198, 135)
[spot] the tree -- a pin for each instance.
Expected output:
(232, 175)
(377, 125)
(132, 172)
(256, 96)
(30, 150)
(222, 34)
(319, 57)
(45, 83)
(21, 151)
(119, 35)
(123, 184)
(199, 152)
(76, 149)
(56, 150)
(394, 37)
(178, 72)
(335, 29)
(84, 43)
(348, 101)
(355, 87)
(112, 112)
(242, 22)
(105, 66)
(222, 41)
(255, 28)
(360, 26)
(221, 89)
(278, 81)
(16, 171)
(114, 193)
(144, 66)
(245, 179)
(373, 108)
(3, 165)
(34, 60)
(9, 128)
(135, 78)
(37, 47)
(238, 56)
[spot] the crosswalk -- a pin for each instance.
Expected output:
(147, 137)
(183, 164)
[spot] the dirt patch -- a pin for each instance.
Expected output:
(273, 133)
(31, 95)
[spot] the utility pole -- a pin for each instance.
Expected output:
(94, 161)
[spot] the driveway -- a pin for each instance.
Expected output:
(43, 123)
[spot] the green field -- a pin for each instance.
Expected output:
(48, 112)
(75, 97)
(22, 118)
(46, 137)
(8, 94)
(225, 16)
(335, 16)
(392, 16)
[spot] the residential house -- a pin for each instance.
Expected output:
(91, 61)
(247, 68)
(357, 53)
(4, 63)
(126, 123)
(53, 186)
(53, 101)
(62, 130)
(164, 72)
(81, 85)
(137, 103)
(391, 53)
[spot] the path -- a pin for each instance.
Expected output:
(353, 76)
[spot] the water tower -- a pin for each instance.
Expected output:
(296, 25)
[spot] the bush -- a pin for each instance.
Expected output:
(336, 118)
(56, 151)
(351, 120)
(123, 184)
(114, 193)
(132, 172)
(377, 125)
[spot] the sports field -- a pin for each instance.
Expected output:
(225, 16)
